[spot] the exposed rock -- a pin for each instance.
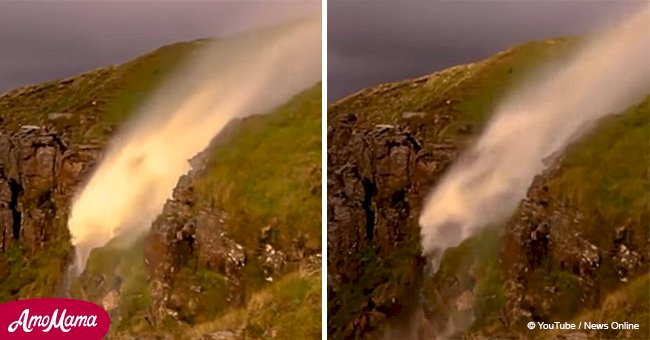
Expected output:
(60, 116)
(111, 300)
(547, 239)
(409, 115)
(465, 301)
(377, 179)
(221, 335)
(191, 232)
(626, 260)
(272, 261)
(38, 174)
(181, 235)
(554, 259)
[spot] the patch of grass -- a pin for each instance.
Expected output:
(15, 273)
(490, 298)
(135, 296)
(468, 95)
(382, 279)
(287, 309)
(607, 171)
(469, 92)
(627, 304)
(97, 100)
(267, 172)
(31, 276)
(140, 77)
(196, 306)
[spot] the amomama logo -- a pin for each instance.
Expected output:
(52, 319)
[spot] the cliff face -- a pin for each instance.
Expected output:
(377, 178)
(196, 266)
(577, 246)
(31, 164)
(189, 236)
(39, 174)
(576, 256)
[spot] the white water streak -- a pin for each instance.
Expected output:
(606, 75)
(250, 74)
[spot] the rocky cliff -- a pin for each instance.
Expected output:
(577, 248)
(38, 176)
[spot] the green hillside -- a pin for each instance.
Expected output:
(264, 170)
(603, 179)
(92, 106)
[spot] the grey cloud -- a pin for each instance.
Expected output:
(44, 40)
(372, 42)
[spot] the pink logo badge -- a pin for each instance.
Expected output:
(52, 319)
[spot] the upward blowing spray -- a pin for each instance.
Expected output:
(606, 75)
(250, 74)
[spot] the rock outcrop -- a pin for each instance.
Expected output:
(377, 178)
(39, 173)
(196, 267)
(553, 264)
(189, 235)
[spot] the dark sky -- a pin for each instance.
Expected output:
(371, 42)
(45, 40)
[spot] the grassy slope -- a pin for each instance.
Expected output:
(268, 171)
(287, 309)
(263, 170)
(269, 164)
(468, 92)
(607, 170)
(98, 101)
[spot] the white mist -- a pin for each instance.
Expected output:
(607, 74)
(249, 74)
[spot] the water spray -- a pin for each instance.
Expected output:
(606, 75)
(248, 74)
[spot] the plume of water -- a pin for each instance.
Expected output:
(248, 74)
(607, 74)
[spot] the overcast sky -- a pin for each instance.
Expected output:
(374, 42)
(45, 40)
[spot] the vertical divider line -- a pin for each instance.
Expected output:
(324, 171)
